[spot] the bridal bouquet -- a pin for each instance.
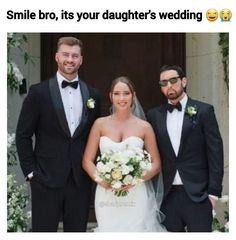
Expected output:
(122, 168)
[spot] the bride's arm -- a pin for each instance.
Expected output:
(151, 147)
(90, 152)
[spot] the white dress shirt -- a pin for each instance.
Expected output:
(72, 102)
(174, 122)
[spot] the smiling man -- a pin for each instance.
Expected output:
(56, 113)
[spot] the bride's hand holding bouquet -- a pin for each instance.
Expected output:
(121, 170)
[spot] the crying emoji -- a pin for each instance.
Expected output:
(225, 15)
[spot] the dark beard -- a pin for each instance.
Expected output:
(175, 95)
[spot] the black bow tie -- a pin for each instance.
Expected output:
(71, 84)
(171, 107)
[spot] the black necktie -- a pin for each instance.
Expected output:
(171, 107)
(71, 84)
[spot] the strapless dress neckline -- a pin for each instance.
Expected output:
(126, 139)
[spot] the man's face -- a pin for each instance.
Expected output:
(173, 91)
(69, 60)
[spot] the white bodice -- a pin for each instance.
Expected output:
(107, 143)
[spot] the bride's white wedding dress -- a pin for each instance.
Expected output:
(136, 212)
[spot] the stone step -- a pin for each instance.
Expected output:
(90, 227)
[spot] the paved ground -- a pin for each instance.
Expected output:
(90, 227)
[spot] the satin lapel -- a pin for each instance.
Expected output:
(85, 96)
(187, 126)
(165, 138)
(58, 105)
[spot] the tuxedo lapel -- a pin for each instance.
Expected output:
(165, 139)
(187, 126)
(58, 105)
(85, 96)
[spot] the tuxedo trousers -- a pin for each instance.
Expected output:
(182, 214)
(50, 205)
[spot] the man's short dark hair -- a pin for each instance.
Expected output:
(177, 68)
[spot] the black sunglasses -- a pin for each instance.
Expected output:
(172, 80)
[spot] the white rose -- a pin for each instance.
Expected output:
(117, 185)
(227, 226)
(126, 155)
(131, 168)
(116, 174)
(108, 167)
(128, 180)
(100, 167)
(108, 176)
(116, 157)
(125, 169)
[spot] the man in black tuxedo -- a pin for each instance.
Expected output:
(192, 155)
(59, 112)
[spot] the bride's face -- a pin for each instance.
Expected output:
(121, 96)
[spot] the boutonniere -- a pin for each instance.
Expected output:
(191, 111)
(90, 103)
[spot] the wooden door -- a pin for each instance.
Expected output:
(109, 55)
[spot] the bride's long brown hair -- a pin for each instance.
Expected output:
(125, 80)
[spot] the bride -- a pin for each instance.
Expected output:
(138, 211)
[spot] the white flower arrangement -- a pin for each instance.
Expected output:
(11, 152)
(91, 103)
(223, 225)
(122, 168)
(14, 75)
(17, 219)
(17, 199)
(224, 199)
(10, 139)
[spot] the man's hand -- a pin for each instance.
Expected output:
(213, 201)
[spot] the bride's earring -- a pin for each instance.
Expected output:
(112, 109)
(133, 106)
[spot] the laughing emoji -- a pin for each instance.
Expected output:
(225, 15)
(211, 14)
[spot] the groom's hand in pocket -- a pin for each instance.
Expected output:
(213, 201)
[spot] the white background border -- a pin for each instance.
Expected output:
(113, 26)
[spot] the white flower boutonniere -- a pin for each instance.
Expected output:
(91, 103)
(191, 111)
